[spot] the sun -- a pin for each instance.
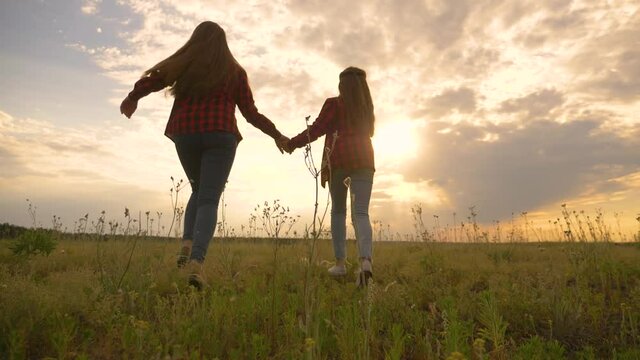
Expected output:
(395, 142)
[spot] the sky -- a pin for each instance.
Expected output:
(503, 106)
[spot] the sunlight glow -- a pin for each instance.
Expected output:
(399, 190)
(395, 142)
(412, 192)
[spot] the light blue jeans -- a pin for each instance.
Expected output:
(206, 159)
(360, 190)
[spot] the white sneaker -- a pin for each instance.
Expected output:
(365, 265)
(338, 270)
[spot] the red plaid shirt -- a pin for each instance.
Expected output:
(351, 150)
(214, 112)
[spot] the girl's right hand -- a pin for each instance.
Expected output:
(128, 107)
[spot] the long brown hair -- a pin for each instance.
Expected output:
(201, 65)
(356, 96)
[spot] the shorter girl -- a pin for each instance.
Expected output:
(347, 163)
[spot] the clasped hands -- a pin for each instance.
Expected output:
(283, 144)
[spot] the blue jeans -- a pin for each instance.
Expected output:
(206, 159)
(360, 189)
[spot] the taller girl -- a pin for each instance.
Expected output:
(348, 121)
(207, 83)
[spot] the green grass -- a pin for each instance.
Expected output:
(429, 301)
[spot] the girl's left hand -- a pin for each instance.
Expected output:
(128, 107)
(281, 143)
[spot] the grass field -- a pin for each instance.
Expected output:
(264, 300)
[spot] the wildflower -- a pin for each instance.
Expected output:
(456, 356)
(309, 343)
(141, 325)
(479, 347)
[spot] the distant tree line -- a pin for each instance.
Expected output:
(10, 231)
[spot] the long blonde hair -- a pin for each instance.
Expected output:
(356, 96)
(202, 64)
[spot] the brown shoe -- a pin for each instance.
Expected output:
(183, 256)
(196, 274)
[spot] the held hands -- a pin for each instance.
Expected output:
(283, 145)
(128, 107)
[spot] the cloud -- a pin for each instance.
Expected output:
(46, 149)
(524, 166)
(378, 33)
(11, 164)
(70, 197)
(297, 86)
(556, 25)
(13, 161)
(462, 99)
(621, 81)
(608, 66)
(545, 83)
(69, 171)
(537, 104)
(90, 7)
(61, 147)
(468, 62)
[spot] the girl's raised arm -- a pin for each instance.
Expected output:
(142, 88)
